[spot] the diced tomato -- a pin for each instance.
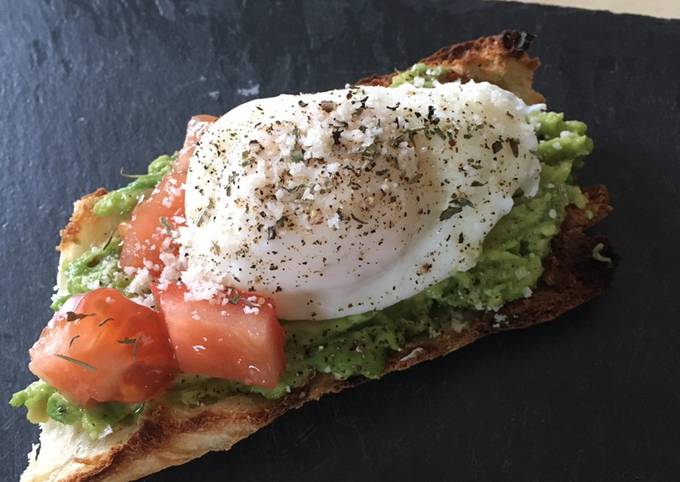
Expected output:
(105, 347)
(226, 337)
(155, 217)
(151, 224)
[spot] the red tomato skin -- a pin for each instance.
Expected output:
(120, 351)
(220, 340)
(144, 235)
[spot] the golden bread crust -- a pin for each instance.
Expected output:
(500, 59)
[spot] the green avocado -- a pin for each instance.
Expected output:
(44, 402)
(427, 73)
(508, 268)
(97, 267)
(122, 201)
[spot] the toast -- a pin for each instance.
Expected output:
(169, 435)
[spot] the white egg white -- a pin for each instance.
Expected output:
(351, 200)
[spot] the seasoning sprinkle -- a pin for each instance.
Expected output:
(201, 214)
(166, 224)
(75, 361)
(108, 241)
(105, 321)
(357, 219)
(133, 342)
(130, 176)
(449, 212)
(327, 105)
(73, 316)
(297, 155)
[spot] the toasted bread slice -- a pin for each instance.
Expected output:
(170, 435)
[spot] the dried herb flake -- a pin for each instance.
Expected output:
(73, 316)
(75, 361)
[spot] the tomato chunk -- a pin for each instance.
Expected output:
(150, 226)
(148, 232)
(105, 347)
(227, 337)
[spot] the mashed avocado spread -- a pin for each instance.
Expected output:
(122, 201)
(420, 75)
(43, 403)
(508, 268)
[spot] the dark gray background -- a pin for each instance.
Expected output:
(88, 87)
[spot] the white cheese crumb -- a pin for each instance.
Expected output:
(146, 299)
(458, 324)
(500, 320)
(553, 214)
(333, 221)
(536, 108)
(412, 355)
(108, 430)
(251, 311)
(149, 266)
(141, 283)
(92, 284)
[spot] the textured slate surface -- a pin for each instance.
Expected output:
(88, 87)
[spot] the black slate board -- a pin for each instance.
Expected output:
(89, 87)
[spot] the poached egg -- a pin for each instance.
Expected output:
(346, 201)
